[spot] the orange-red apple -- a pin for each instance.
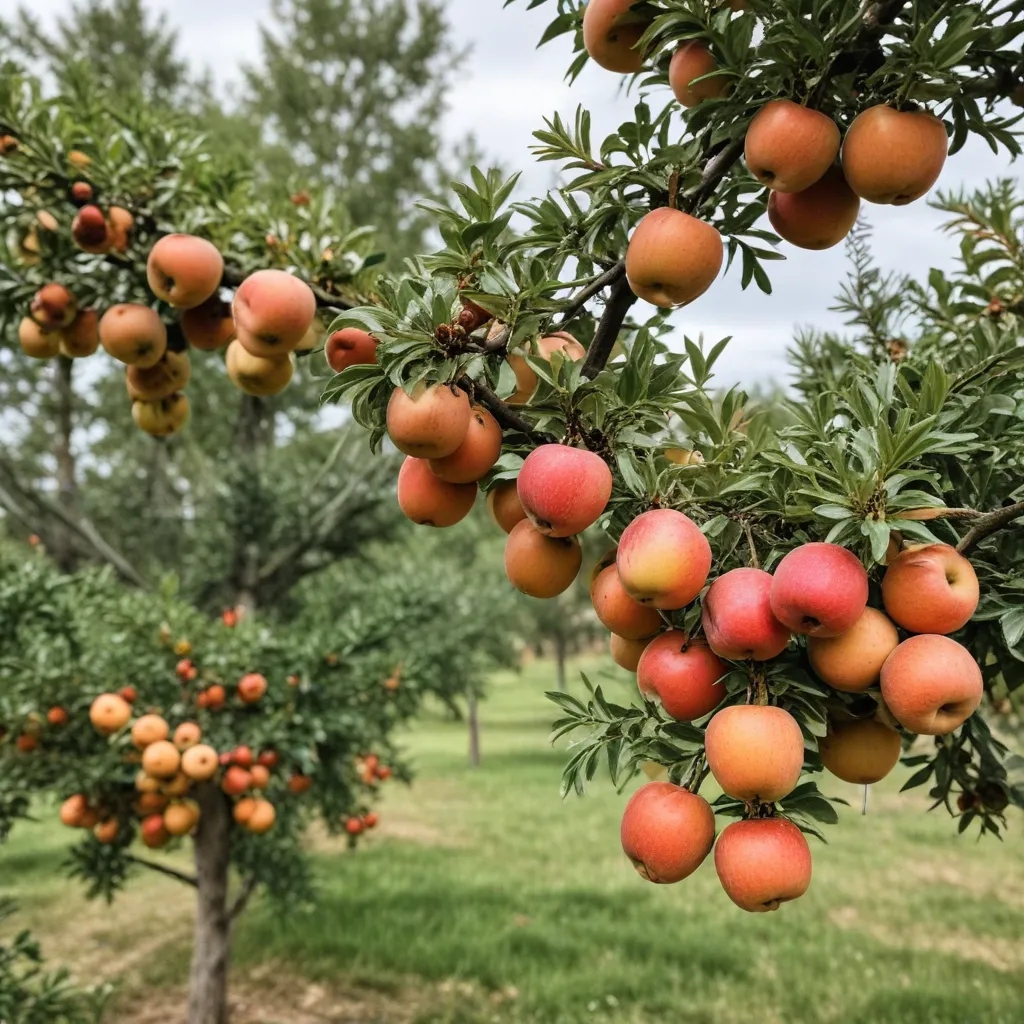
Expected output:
(762, 863)
(429, 423)
(90, 231)
(430, 501)
(54, 307)
(210, 325)
(149, 729)
(930, 589)
(684, 675)
(755, 752)
(789, 147)
(133, 334)
(261, 819)
(188, 734)
(672, 258)
(819, 590)
(931, 684)
(161, 759)
(504, 505)
(563, 490)
(184, 270)
(627, 653)
(538, 565)
(273, 310)
(618, 612)
(818, 217)
(36, 342)
(477, 454)
(109, 712)
(853, 660)
(691, 61)
(663, 559)
(546, 347)
(894, 156)
(82, 337)
(611, 30)
(860, 750)
(200, 762)
(350, 347)
(738, 620)
(667, 831)
(251, 687)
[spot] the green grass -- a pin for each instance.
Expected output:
(485, 877)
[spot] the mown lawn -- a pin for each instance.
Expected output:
(484, 897)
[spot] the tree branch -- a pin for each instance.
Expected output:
(163, 869)
(619, 302)
(507, 418)
(233, 277)
(989, 524)
(241, 901)
(584, 295)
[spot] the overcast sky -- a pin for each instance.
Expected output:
(507, 86)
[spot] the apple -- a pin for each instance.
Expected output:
(819, 590)
(930, 589)
(667, 831)
(663, 559)
(617, 611)
(762, 863)
(738, 620)
(853, 660)
(755, 752)
(860, 750)
(684, 674)
(563, 490)
(789, 147)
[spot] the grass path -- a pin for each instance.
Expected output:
(484, 897)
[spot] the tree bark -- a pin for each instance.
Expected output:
(208, 980)
(473, 719)
(560, 656)
(67, 484)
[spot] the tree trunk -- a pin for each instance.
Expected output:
(560, 653)
(473, 718)
(208, 980)
(67, 486)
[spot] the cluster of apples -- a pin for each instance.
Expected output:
(33, 730)
(889, 156)
(929, 684)
(56, 326)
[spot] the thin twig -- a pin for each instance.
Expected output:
(163, 869)
(989, 524)
(504, 414)
(754, 560)
(584, 295)
(241, 901)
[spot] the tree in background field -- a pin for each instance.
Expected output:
(845, 532)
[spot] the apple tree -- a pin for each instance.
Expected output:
(800, 585)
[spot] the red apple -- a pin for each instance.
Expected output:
(350, 347)
(763, 862)
(819, 590)
(685, 675)
(667, 831)
(563, 490)
(663, 559)
(931, 684)
(738, 620)
(930, 589)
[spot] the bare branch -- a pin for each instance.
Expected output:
(584, 295)
(163, 869)
(619, 302)
(989, 524)
(241, 901)
(507, 418)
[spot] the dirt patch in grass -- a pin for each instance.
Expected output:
(999, 954)
(269, 995)
(1004, 890)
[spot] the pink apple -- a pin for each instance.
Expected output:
(930, 589)
(663, 559)
(563, 490)
(685, 675)
(763, 862)
(819, 590)
(738, 620)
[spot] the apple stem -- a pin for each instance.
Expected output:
(754, 560)
(864, 800)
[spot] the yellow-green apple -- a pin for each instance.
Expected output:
(931, 684)
(627, 653)
(350, 347)
(563, 490)
(618, 612)
(684, 675)
(273, 310)
(738, 620)
(853, 660)
(789, 147)
(134, 334)
(755, 752)
(819, 590)
(894, 156)
(163, 417)
(538, 565)
(818, 217)
(762, 863)
(691, 61)
(430, 501)
(184, 270)
(672, 258)
(663, 559)
(667, 831)
(860, 750)
(429, 422)
(256, 375)
(477, 454)
(504, 505)
(611, 30)
(930, 589)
